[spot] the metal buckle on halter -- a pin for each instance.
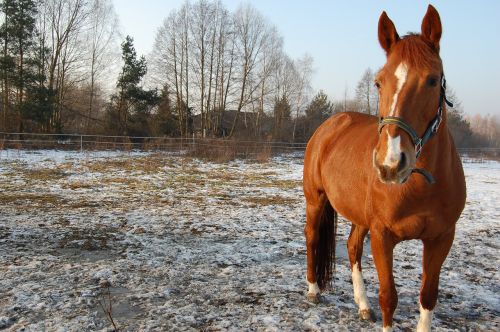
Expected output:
(418, 147)
(435, 125)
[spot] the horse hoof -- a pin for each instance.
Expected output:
(314, 298)
(367, 314)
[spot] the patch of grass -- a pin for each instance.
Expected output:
(190, 179)
(119, 180)
(269, 200)
(87, 239)
(84, 204)
(45, 174)
(224, 150)
(35, 198)
(147, 164)
(282, 184)
(185, 200)
(103, 166)
(223, 175)
(78, 185)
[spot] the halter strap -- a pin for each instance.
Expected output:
(431, 130)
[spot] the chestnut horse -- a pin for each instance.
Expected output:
(398, 177)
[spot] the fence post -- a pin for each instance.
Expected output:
(81, 143)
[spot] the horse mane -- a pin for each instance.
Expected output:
(416, 52)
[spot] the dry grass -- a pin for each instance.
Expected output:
(84, 204)
(107, 165)
(45, 174)
(269, 200)
(78, 185)
(282, 184)
(34, 198)
(87, 239)
(132, 181)
(148, 164)
(223, 151)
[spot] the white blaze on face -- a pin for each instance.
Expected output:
(424, 323)
(393, 153)
(400, 73)
(359, 288)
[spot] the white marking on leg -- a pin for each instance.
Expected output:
(425, 320)
(313, 288)
(393, 154)
(401, 73)
(359, 288)
(387, 329)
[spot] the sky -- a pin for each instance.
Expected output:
(341, 37)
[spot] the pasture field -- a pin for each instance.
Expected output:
(182, 244)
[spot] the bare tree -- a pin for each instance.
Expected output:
(292, 81)
(304, 71)
(66, 18)
(194, 54)
(225, 55)
(265, 88)
(101, 36)
(170, 61)
(366, 94)
(252, 33)
(215, 61)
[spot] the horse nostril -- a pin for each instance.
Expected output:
(402, 162)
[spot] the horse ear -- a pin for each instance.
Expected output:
(431, 27)
(387, 34)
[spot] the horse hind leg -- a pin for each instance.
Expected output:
(355, 250)
(320, 232)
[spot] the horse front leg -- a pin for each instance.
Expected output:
(382, 250)
(435, 253)
(355, 250)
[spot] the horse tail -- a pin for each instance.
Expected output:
(325, 252)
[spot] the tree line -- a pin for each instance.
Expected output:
(54, 56)
(212, 73)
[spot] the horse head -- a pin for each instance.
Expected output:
(410, 96)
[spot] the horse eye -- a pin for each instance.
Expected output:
(377, 84)
(432, 81)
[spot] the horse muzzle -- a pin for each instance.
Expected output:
(393, 170)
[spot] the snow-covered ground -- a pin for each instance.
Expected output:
(191, 245)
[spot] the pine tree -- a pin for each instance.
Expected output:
(131, 107)
(164, 121)
(318, 110)
(282, 116)
(7, 62)
(18, 61)
(320, 107)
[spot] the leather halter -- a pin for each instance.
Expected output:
(431, 130)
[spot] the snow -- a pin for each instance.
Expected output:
(186, 244)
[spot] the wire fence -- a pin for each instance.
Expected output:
(219, 148)
(204, 147)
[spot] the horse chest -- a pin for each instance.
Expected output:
(410, 221)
